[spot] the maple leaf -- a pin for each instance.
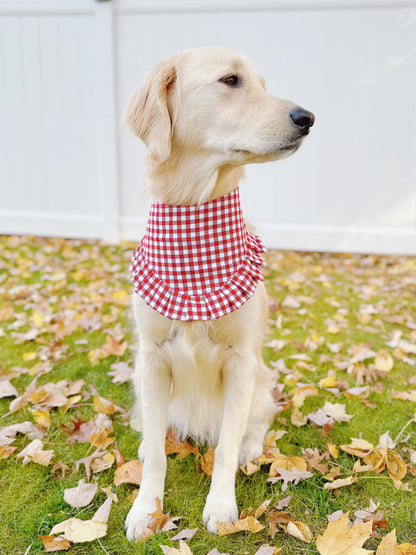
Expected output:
(181, 448)
(114, 347)
(340, 539)
(121, 372)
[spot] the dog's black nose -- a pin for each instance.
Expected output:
(302, 119)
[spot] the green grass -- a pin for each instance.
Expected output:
(64, 280)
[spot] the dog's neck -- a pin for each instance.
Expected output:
(188, 180)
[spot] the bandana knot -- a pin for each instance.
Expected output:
(197, 262)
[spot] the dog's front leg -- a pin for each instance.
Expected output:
(239, 379)
(155, 390)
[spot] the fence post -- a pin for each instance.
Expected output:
(107, 121)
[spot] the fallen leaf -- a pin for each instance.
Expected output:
(249, 524)
(268, 550)
(293, 475)
(129, 473)
(79, 531)
(34, 453)
(87, 461)
(8, 433)
(340, 539)
(299, 530)
(181, 448)
(81, 495)
(207, 461)
(341, 482)
(6, 451)
(383, 361)
(52, 543)
(185, 534)
(7, 389)
(337, 412)
(183, 549)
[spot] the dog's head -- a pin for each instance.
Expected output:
(214, 100)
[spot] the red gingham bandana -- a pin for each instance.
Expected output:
(197, 262)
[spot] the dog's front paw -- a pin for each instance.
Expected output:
(139, 519)
(219, 509)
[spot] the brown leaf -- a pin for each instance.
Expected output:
(129, 473)
(181, 448)
(340, 539)
(87, 461)
(6, 451)
(207, 461)
(114, 347)
(51, 543)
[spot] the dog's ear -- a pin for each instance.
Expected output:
(147, 114)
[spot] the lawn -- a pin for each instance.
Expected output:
(341, 341)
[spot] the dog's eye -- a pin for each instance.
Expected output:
(230, 80)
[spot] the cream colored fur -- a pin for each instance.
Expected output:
(204, 379)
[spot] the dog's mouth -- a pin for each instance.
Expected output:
(283, 149)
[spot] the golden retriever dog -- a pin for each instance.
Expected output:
(203, 114)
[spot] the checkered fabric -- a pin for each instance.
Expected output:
(197, 262)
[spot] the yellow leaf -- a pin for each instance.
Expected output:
(249, 524)
(377, 459)
(29, 356)
(357, 447)
(384, 361)
(287, 463)
(299, 530)
(42, 417)
(333, 450)
(101, 439)
(396, 467)
(329, 381)
(341, 482)
(340, 539)
(37, 318)
(94, 356)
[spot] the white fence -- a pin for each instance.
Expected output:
(67, 68)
